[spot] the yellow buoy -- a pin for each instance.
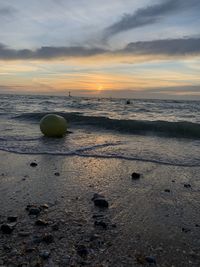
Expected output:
(53, 125)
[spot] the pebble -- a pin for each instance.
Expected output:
(33, 164)
(7, 228)
(101, 202)
(44, 254)
(34, 211)
(82, 251)
(12, 218)
(48, 238)
(96, 195)
(44, 206)
(185, 230)
(37, 239)
(167, 190)
(135, 175)
(187, 185)
(41, 222)
(150, 259)
(24, 233)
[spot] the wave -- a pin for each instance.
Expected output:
(101, 156)
(183, 129)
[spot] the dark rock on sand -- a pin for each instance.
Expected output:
(7, 228)
(57, 174)
(150, 259)
(96, 216)
(167, 190)
(135, 175)
(96, 195)
(37, 239)
(101, 202)
(48, 238)
(82, 250)
(12, 218)
(34, 211)
(33, 164)
(44, 254)
(41, 222)
(187, 185)
(24, 233)
(185, 230)
(44, 206)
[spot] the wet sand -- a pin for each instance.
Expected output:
(155, 218)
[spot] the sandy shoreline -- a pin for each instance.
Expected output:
(142, 219)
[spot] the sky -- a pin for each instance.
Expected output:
(117, 48)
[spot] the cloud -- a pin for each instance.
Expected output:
(171, 47)
(7, 11)
(147, 16)
(48, 52)
(166, 47)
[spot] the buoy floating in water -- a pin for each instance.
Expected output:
(53, 125)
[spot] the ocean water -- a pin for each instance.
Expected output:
(161, 131)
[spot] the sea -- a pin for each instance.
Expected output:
(160, 131)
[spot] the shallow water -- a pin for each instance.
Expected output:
(166, 132)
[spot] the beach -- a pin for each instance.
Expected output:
(155, 218)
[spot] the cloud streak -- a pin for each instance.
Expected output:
(147, 16)
(168, 47)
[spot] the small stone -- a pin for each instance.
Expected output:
(96, 195)
(41, 222)
(57, 174)
(167, 190)
(33, 164)
(6, 247)
(44, 206)
(37, 239)
(44, 254)
(24, 233)
(150, 259)
(101, 202)
(96, 216)
(197, 225)
(48, 238)
(12, 218)
(185, 230)
(103, 224)
(135, 175)
(29, 249)
(7, 228)
(82, 251)
(187, 185)
(34, 211)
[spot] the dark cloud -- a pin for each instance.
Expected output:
(7, 11)
(169, 47)
(48, 52)
(148, 15)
